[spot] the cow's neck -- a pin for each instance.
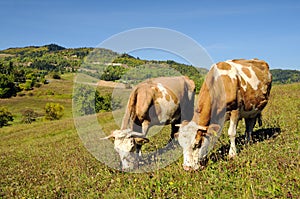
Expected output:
(211, 104)
(203, 109)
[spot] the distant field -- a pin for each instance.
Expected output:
(48, 159)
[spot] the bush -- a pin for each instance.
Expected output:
(29, 116)
(21, 94)
(37, 85)
(49, 92)
(54, 111)
(56, 76)
(27, 85)
(5, 116)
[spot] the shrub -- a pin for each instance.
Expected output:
(21, 94)
(5, 116)
(56, 76)
(49, 92)
(54, 111)
(30, 94)
(27, 85)
(37, 85)
(29, 116)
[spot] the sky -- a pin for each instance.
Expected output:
(268, 30)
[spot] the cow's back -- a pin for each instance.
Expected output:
(247, 84)
(146, 98)
(184, 89)
(179, 85)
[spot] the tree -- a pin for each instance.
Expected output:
(88, 101)
(7, 86)
(54, 111)
(112, 73)
(106, 102)
(84, 100)
(5, 117)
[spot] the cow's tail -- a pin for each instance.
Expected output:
(138, 105)
(130, 111)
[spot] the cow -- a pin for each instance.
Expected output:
(232, 90)
(157, 101)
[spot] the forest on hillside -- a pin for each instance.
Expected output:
(26, 68)
(285, 76)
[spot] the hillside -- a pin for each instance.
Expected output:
(47, 159)
(23, 69)
(285, 76)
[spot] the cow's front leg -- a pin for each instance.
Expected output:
(232, 132)
(174, 129)
(250, 123)
(145, 127)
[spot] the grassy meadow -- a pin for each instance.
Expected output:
(47, 159)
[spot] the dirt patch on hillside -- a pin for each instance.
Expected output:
(110, 84)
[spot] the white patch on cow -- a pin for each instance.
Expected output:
(236, 70)
(186, 139)
(232, 134)
(253, 80)
(125, 146)
(231, 73)
(166, 106)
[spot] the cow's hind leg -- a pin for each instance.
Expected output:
(234, 116)
(250, 123)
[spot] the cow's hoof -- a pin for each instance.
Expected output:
(231, 156)
(187, 168)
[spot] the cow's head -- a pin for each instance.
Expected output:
(195, 140)
(125, 143)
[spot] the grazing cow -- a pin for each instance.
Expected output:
(232, 90)
(157, 101)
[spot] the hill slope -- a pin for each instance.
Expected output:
(285, 76)
(26, 68)
(48, 159)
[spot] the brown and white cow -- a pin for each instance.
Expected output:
(157, 101)
(232, 90)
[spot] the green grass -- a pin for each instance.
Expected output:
(48, 159)
(58, 91)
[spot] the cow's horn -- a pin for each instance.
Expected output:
(203, 128)
(134, 134)
(178, 125)
(107, 137)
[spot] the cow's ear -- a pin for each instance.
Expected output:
(213, 129)
(140, 140)
(176, 135)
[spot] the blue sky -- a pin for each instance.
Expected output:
(268, 30)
